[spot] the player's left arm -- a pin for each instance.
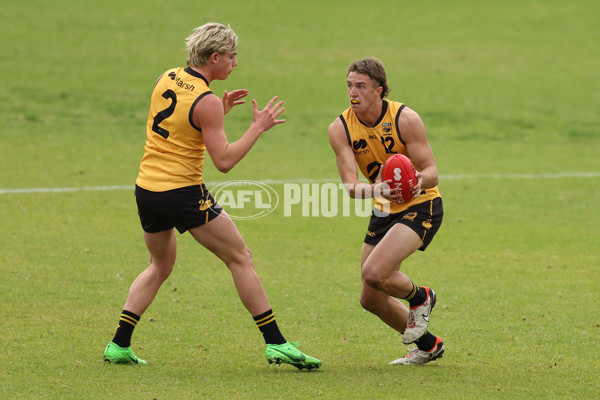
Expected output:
(417, 145)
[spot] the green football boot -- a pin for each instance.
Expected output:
(288, 353)
(121, 355)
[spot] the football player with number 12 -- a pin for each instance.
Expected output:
(408, 208)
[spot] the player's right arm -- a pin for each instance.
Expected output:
(209, 116)
(346, 164)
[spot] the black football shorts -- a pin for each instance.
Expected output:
(182, 208)
(423, 218)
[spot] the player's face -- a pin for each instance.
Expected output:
(225, 64)
(362, 91)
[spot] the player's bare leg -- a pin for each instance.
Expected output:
(389, 309)
(222, 238)
(163, 249)
(380, 269)
(381, 272)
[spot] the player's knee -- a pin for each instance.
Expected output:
(370, 305)
(248, 254)
(245, 256)
(162, 269)
(373, 278)
(241, 258)
(365, 303)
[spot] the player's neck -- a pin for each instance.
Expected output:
(371, 115)
(206, 73)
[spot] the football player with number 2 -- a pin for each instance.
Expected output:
(185, 121)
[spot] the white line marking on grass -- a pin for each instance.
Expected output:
(66, 189)
(525, 176)
(283, 181)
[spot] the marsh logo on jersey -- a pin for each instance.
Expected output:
(359, 144)
(360, 147)
(245, 199)
(179, 82)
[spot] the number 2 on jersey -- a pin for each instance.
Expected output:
(164, 114)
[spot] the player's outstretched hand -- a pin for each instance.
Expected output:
(232, 99)
(266, 118)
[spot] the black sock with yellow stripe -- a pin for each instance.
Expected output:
(127, 323)
(268, 326)
(417, 296)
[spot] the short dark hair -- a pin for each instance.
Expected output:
(374, 68)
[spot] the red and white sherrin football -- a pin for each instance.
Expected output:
(401, 171)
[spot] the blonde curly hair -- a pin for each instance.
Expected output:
(207, 39)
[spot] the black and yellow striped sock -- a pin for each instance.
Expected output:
(127, 323)
(268, 326)
(417, 296)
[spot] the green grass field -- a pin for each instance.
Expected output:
(509, 92)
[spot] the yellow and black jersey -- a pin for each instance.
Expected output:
(174, 151)
(372, 146)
